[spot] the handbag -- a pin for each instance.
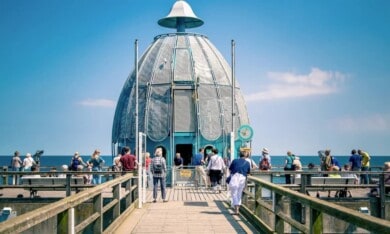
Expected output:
(228, 179)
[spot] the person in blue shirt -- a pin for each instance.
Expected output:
(198, 162)
(239, 169)
(355, 161)
(178, 161)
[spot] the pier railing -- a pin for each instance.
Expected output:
(62, 215)
(276, 209)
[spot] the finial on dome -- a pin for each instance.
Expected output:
(181, 17)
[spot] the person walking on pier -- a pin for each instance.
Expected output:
(198, 162)
(239, 169)
(216, 169)
(365, 166)
(159, 170)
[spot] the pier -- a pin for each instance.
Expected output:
(116, 207)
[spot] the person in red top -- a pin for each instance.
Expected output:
(129, 161)
(147, 161)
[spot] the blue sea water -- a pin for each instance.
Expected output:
(55, 160)
(376, 161)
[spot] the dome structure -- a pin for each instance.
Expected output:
(184, 94)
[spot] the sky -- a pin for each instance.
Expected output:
(315, 74)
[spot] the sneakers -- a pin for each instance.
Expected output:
(165, 200)
(154, 201)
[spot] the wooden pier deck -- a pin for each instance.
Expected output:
(188, 210)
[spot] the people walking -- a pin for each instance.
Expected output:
(159, 171)
(365, 166)
(147, 162)
(96, 163)
(216, 169)
(239, 169)
(200, 172)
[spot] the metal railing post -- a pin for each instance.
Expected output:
(68, 188)
(71, 221)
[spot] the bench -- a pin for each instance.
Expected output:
(35, 184)
(328, 183)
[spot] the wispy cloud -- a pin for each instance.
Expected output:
(372, 123)
(289, 85)
(106, 103)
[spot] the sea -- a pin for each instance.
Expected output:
(276, 161)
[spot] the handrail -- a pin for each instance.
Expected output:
(317, 208)
(28, 220)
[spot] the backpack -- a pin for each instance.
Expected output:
(75, 164)
(264, 165)
(157, 167)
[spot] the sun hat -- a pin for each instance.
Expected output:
(265, 151)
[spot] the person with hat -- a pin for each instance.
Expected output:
(28, 162)
(265, 154)
(247, 152)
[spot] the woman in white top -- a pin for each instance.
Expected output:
(28, 162)
(216, 168)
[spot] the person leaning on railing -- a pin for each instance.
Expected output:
(386, 168)
(365, 166)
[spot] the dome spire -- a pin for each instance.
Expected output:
(181, 17)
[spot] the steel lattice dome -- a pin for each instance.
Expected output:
(184, 95)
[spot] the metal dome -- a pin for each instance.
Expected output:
(184, 97)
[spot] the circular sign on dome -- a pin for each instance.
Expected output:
(245, 132)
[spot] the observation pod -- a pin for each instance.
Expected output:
(184, 94)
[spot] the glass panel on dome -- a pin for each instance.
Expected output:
(183, 68)
(158, 113)
(184, 111)
(201, 66)
(163, 66)
(210, 118)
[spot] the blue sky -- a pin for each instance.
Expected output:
(315, 73)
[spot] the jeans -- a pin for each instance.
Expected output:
(364, 177)
(15, 179)
(163, 186)
(96, 179)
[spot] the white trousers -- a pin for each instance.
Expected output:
(236, 186)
